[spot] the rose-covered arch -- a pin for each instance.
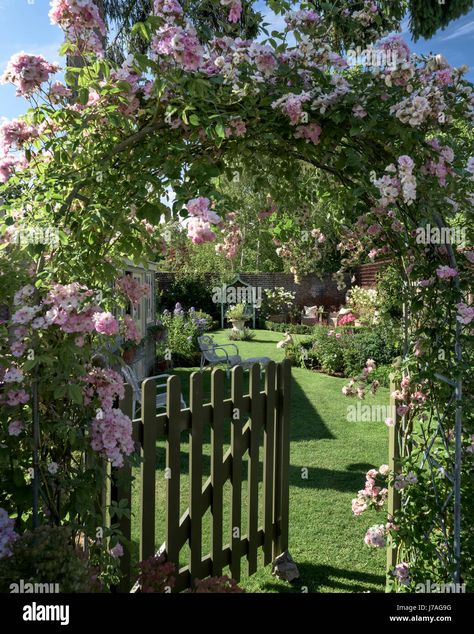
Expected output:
(94, 159)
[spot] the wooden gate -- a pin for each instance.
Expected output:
(263, 411)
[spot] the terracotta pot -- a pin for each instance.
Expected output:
(128, 355)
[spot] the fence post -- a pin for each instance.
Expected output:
(236, 448)
(394, 498)
(269, 460)
(282, 457)
(256, 416)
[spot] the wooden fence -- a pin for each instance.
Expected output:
(263, 411)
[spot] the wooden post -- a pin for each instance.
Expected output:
(394, 499)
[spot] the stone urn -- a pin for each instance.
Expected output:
(238, 324)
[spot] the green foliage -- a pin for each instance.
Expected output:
(379, 343)
(190, 290)
(346, 350)
(47, 555)
(427, 16)
(237, 312)
(276, 301)
(293, 329)
(182, 332)
(390, 293)
(363, 302)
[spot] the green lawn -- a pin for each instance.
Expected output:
(326, 540)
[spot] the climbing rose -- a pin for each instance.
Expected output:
(446, 272)
(235, 7)
(111, 435)
(15, 428)
(465, 313)
(401, 572)
(375, 536)
(7, 534)
(105, 324)
(27, 73)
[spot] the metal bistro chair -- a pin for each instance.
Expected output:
(161, 389)
(208, 354)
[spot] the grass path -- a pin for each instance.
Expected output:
(326, 540)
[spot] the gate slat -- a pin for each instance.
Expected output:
(195, 474)
(253, 466)
(173, 464)
(284, 383)
(269, 461)
(236, 448)
(217, 469)
(148, 469)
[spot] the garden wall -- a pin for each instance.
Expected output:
(310, 291)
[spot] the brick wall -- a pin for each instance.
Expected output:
(366, 274)
(309, 292)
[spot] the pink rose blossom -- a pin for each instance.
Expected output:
(105, 324)
(446, 272)
(15, 428)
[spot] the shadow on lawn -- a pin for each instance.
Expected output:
(313, 577)
(318, 478)
(306, 423)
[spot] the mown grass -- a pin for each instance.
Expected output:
(326, 540)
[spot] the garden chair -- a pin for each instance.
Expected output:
(161, 389)
(208, 354)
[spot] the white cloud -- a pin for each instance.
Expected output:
(466, 29)
(275, 22)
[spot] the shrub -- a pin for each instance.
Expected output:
(156, 574)
(47, 555)
(276, 301)
(378, 343)
(183, 329)
(294, 329)
(328, 349)
(241, 335)
(381, 374)
(363, 301)
(191, 290)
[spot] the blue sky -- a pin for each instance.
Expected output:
(24, 26)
